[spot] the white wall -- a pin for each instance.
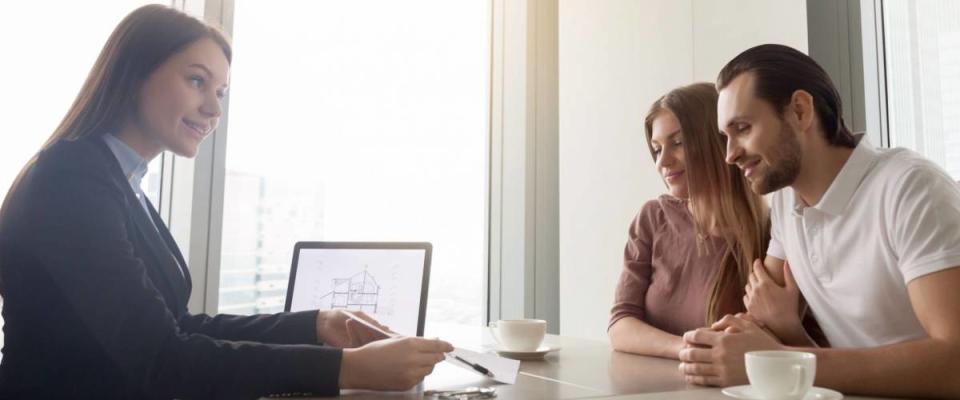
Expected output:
(723, 29)
(615, 58)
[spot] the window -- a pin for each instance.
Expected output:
(357, 121)
(922, 47)
(38, 90)
(43, 69)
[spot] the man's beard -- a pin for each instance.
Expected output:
(787, 158)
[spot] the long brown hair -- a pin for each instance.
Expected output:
(721, 201)
(145, 38)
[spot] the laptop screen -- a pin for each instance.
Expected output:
(387, 281)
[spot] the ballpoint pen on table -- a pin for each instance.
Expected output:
(477, 367)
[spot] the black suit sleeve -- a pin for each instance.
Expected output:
(282, 328)
(78, 230)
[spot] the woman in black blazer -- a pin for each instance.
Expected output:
(95, 289)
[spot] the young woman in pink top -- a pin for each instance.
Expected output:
(689, 252)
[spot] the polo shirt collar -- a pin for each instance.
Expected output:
(846, 183)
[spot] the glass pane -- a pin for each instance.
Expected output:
(43, 69)
(357, 121)
(152, 180)
(923, 78)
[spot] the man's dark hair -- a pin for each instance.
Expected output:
(778, 71)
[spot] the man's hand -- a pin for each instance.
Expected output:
(335, 328)
(392, 364)
(715, 355)
(774, 306)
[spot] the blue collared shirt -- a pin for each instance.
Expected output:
(134, 168)
(133, 165)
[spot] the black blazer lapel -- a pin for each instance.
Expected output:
(165, 260)
(171, 246)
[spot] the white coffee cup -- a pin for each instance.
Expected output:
(519, 334)
(781, 375)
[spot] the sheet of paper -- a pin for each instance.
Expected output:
(504, 370)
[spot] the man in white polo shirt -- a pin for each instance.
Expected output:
(872, 238)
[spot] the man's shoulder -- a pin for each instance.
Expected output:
(899, 169)
(896, 162)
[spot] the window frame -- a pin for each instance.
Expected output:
(874, 71)
(192, 189)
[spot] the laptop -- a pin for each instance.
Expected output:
(386, 280)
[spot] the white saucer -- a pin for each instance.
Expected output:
(816, 393)
(528, 355)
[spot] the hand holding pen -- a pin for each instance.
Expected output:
(386, 334)
(393, 362)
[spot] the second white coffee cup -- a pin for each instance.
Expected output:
(519, 334)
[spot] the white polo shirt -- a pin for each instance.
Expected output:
(889, 217)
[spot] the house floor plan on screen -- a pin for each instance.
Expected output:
(384, 283)
(360, 292)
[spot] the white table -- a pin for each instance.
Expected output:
(582, 369)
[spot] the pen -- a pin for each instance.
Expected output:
(477, 367)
